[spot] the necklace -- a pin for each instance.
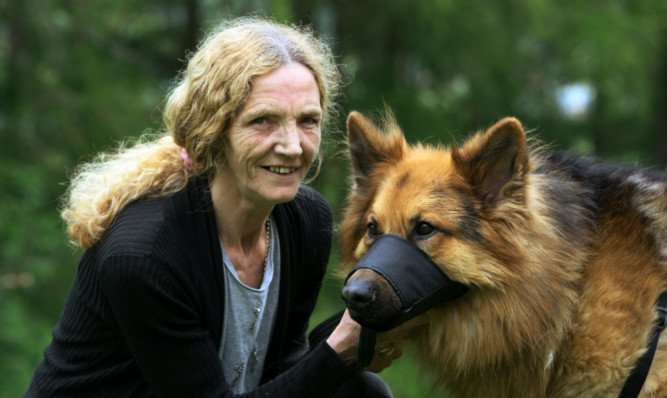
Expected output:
(268, 241)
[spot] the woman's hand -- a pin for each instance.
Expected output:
(345, 339)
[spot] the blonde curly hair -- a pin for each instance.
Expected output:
(199, 110)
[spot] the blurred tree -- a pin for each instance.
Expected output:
(657, 129)
(448, 66)
(73, 79)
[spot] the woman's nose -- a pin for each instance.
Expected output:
(289, 143)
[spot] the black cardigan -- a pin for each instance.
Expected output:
(144, 314)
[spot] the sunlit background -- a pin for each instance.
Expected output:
(77, 77)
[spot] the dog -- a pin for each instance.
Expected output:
(564, 258)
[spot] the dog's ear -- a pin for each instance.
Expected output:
(370, 146)
(494, 162)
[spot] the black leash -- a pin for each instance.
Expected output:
(635, 382)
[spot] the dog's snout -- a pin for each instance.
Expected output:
(370, 299)
(358, 294)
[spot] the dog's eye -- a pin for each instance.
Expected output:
(372, 229)
(424, 229)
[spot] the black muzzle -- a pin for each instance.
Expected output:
(417, 281)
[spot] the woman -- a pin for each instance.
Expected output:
(205, 253)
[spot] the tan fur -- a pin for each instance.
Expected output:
(563, 290)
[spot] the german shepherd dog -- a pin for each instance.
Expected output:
(564, 258)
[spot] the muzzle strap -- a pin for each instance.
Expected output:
(366, 346)
(366, 338)
(418, 282)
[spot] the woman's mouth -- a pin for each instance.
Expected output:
(282, 170)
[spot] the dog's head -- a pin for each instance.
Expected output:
(442, 200)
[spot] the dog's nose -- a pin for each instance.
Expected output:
(358, 294)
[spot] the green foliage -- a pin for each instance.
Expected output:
(75, 79)
(36, 268)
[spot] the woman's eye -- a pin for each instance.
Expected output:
(259, 121)
(311, 121)
(372, 229)
(424, 229)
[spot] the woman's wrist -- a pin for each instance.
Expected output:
(344, 340)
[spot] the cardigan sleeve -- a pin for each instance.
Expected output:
(176, 355)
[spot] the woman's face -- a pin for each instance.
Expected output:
(275, 137)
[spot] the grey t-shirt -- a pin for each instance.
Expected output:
(248, 321)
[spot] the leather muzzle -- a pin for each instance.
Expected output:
(417, 281)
